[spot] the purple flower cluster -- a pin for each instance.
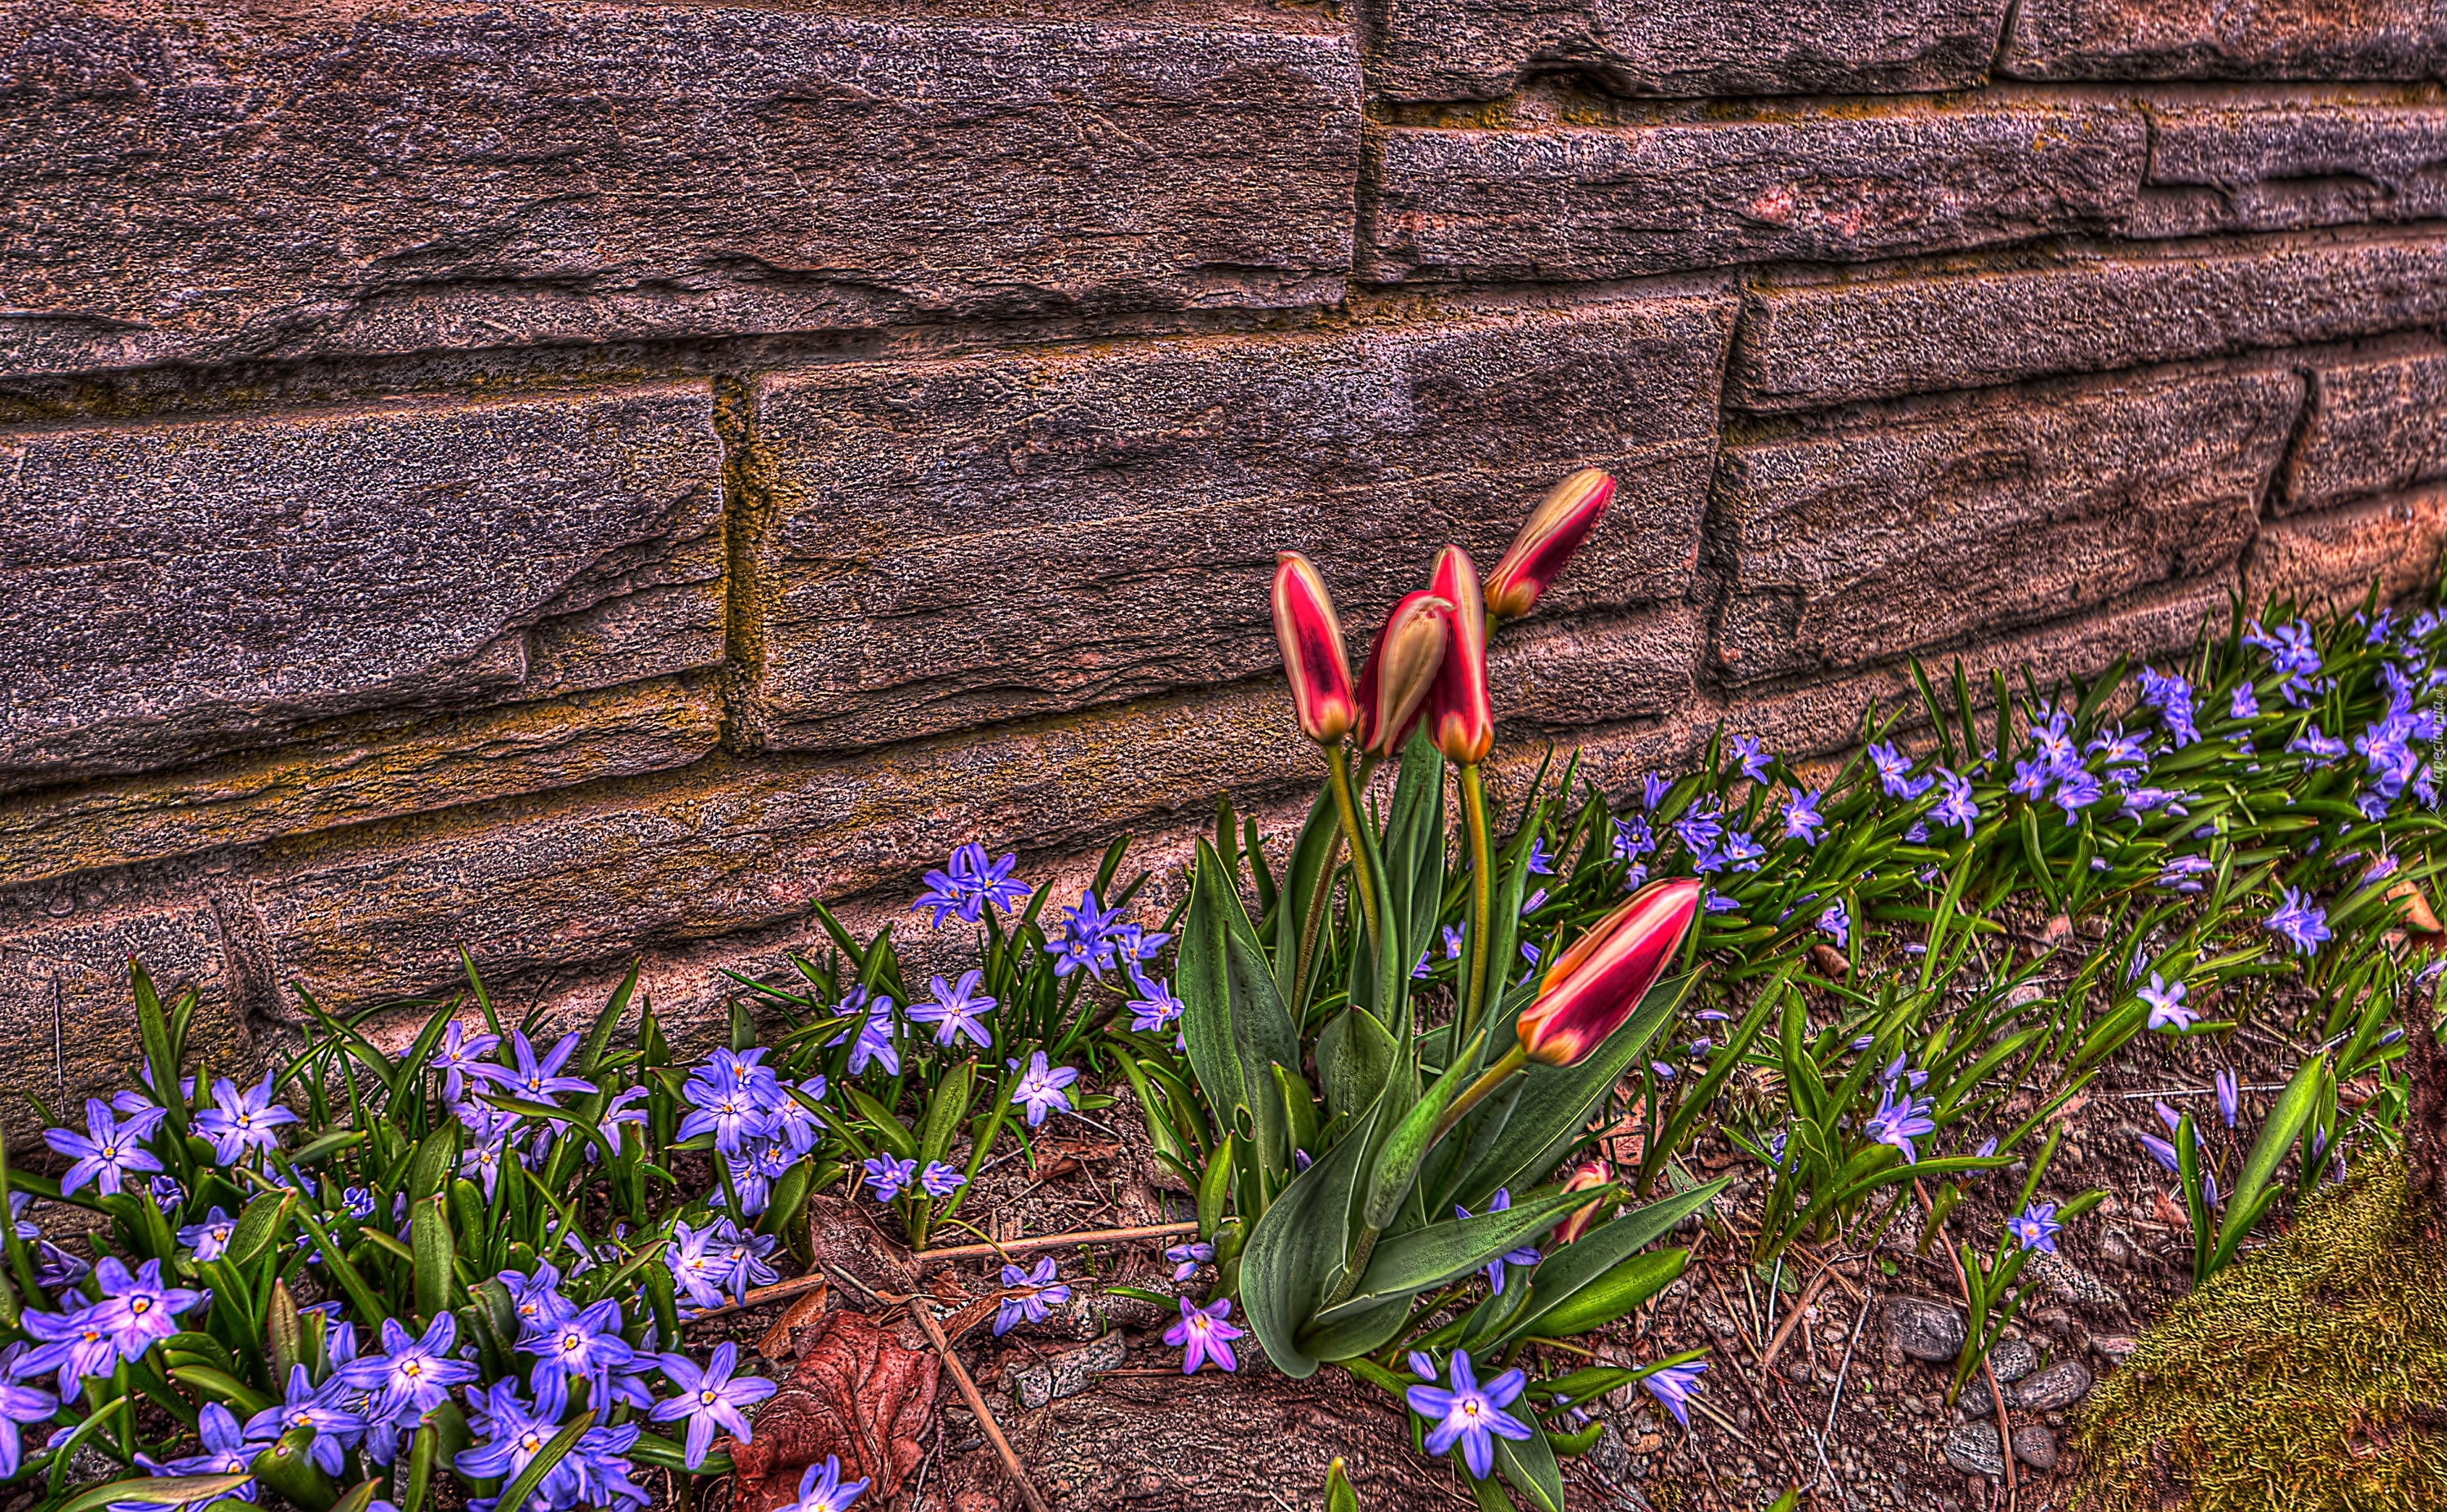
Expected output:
(760, 1124)
(1096, 939)
(969, 886)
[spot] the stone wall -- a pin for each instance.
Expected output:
(581, 478)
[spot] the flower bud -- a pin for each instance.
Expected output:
(1312, 656)
(1549, 537)
(1460, 718)
(1584, 1176)
(1596, 986)
(1401, 672)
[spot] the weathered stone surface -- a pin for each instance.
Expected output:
(551, 883)
(231, 578)
(2375, 428)
(960, 541)
(2011, 1360)
(1863, 543)
(1594, 670)
(2340, 553)
(1809, 344)
(1973, 1450)
(1477, 49)
(2279, 167)
(1575, 203)
(400, 765)
(2211, 39)
(68, 1009)
(1924, 1331)
(2059, 1385)
(206, 186)
(1824, 715)
(2035, 1447)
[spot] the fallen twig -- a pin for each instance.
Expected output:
(925, 1316)
(1053, 1241)
(1790, 1459)
(1792, 1319)
(1840, 1372)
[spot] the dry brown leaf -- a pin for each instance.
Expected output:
(777, 1343)
(857, 1393)
(2163, 1208)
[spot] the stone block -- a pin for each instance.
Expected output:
(953, 542)
(1573, 204)
(178, 589)
(370, 769)
(565, 880)
(1592, 669)
(67, 1006)
(2374, 427)
(1805, 346)
(2213, 39)
(206, 186)
(2339, 554)
(2261, 167)
(1824, 715)
(1427, 50)
(1861, 544)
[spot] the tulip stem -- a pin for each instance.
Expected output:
(1337, 763)
(1476, 1093)
(1482, 897)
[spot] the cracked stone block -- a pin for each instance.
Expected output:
(67, 1004)
(1435, 50)
(203, 186)
(955, 542)
(2257, 167)
(234, 578)
(1865, 542)
(1810, 345)
(2338, 555)
(2214, 39)
(1616, 202)
(2374, 429)
(381, 767)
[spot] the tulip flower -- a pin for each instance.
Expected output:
(1597, 984)
(1310, 638)
(1547, 539)
(1587, 1176)
(1401, 672)
(1460, 718)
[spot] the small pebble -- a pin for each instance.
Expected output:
(2013, 1359)
(1924, 1331)
(1973, 1450)
(2035, 1447)
(2060, 1384)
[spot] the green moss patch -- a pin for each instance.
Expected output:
(2313, 1377)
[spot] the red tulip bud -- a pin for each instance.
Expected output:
(1313, 655)
(1460, 718)
(1549, 537)
(1597, 984)
(1395, 686)
(1585, 1176)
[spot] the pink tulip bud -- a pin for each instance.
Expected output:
(1585, 1177)
(1594, 986)
(1460, 718)
(1401, 672)
(1549, 537)
(1313, 655)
